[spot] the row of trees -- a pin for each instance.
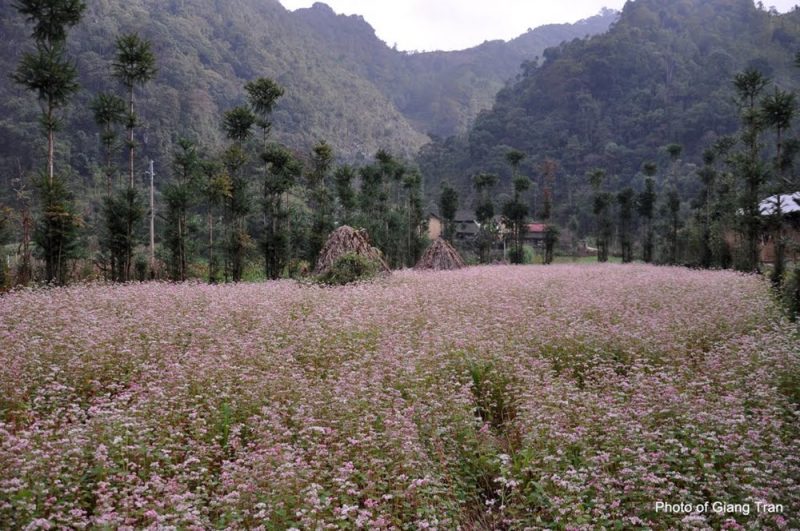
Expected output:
(719, 225)
(257, 197)
(299, 202)
(52, 76)
(509, 226)
(254, 195)
(657, 76)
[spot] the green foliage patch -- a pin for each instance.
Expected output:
(349, 268)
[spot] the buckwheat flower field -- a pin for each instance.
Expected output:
(571, 397)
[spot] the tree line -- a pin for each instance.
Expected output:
(708, 216)
(219, 210)
(257, 201)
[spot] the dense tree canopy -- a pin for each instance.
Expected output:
(661, 76)
(342, 82)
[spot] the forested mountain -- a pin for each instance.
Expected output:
(662, 75)
(602, 137)
(342, 83)
(439, 92)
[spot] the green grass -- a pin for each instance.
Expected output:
(560, 259)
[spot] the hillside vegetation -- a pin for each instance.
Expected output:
(601, 142)
(440, 93)
(663, 74)
(342, 83)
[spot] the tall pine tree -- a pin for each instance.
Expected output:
(133, 66)
(53, 77)
(320, 199)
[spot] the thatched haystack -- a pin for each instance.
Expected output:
(345, 240)
(440, 256)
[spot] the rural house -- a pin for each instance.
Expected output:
(789, 226)
(466, 226)
(534, 234)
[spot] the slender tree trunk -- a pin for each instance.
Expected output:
(211, 269)
(50, 156)
(50, 144)
(131, 146)
(753, 177)
(705, 254)
(647, 251)
(409, 257)
(269, 218)
(152, 223)
(181, 251)
(129, 226)
(674, 237)
(780, 247)
(61, 273)
(108, 170)
(51, 268)
(753, 226)
(288, 249)
(270, 247)
(24, 271)
(128, 240)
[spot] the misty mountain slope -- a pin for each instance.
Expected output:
(439, 92)
(342, 83)
(206, 51)
(662, 74)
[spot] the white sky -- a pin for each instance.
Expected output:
(458, 24)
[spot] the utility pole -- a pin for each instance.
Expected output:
(152, 175)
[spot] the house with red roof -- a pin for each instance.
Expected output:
(534, 234)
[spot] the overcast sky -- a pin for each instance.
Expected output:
(457, 24)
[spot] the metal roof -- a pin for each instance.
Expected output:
(789, 203)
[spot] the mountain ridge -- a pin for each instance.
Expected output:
(360, 95)
(490, 65)
(662, 74)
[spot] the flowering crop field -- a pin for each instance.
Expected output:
(489, 398)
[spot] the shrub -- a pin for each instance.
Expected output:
(528, 254)
(791, 294)
(350, 267)
(297, 268)
(141, 268)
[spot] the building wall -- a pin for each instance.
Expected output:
(793, 242)
(767, 244)
(434, 228)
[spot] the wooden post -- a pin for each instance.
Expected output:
(151, 173)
